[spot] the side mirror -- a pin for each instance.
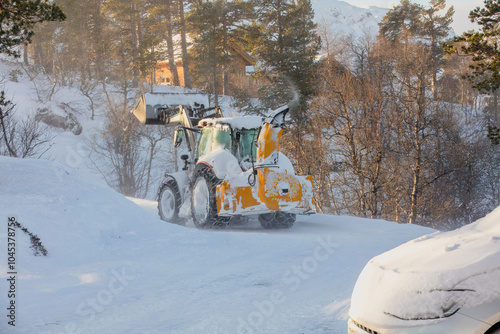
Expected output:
(178, 137)
(185, 157)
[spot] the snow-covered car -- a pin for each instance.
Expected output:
(445, 282)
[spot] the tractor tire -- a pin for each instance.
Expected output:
(277, 220)
(203, 205)
(169, 203)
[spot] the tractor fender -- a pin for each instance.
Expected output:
(222, 162)
(182, 181)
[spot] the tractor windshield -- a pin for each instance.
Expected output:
(222, 137)
(246, 149)
(213, 138)
(204, 144)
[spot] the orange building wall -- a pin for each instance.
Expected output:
(163, 75)
(238, 78)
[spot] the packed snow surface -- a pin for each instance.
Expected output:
(432, 275)
(114, 267)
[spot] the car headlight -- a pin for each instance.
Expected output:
(435, 304)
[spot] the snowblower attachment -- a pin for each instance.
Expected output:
(275, 187)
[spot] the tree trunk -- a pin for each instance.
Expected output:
(153, 72)
(216, 88)
(225, 78)
(140, 50)
(133, 31)
(185, 63)
(417, 169)
(495, 108)
(25, 55)
(414, 193)
(12, 152)
(97, 40)
(150, 164)
(170, 46)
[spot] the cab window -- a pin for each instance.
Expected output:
(213, 138)
(222, 137)
(204, 145)
(246, 149)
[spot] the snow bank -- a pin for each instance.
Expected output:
(75, 215)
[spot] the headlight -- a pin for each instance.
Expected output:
(435, 304)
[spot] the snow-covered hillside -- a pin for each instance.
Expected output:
(114, 267)
(68, 112)
(340, 17)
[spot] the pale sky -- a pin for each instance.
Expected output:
(460, 23)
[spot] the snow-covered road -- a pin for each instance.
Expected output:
(114, 267)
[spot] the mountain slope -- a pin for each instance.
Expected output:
(340, 17)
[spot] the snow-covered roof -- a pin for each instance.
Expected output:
(243, 122)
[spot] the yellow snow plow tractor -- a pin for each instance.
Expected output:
(232, 166)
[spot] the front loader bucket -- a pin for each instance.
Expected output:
(140, 111)
(159, 108)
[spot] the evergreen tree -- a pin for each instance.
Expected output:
(169, 15)
(18, 18)
(435, 30)
(286, 49)
(402, 23)
(98, 39)
(150, 52)
(483, 47)
(161, 27)
(215, 25)
(410, 23)
(123, 19)
(64, 48)
(17, 21)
